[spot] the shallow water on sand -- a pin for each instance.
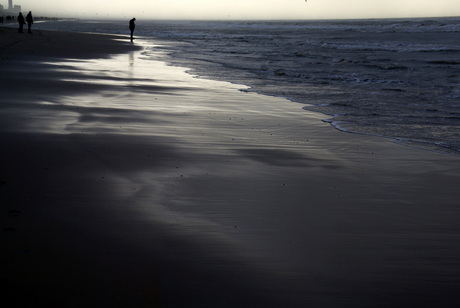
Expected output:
(394, 77)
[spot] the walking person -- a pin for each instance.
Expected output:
(132, 26)
(21, 22)
(30, 21)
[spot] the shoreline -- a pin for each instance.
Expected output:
(362, 104)
(127, 182)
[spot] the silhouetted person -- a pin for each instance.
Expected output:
(21, 22)
(30, 21)
(132, 26)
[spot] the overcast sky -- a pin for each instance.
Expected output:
(239, 9)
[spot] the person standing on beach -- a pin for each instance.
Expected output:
(21, 22)
(132, 26)
(30, 21)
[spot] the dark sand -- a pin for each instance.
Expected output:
(128, 183)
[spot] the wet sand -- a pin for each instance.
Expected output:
(125, 182)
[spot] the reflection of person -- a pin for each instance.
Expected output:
(21, 22)
(132, 26)
(30, 21)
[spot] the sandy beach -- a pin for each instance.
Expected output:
(125, 182)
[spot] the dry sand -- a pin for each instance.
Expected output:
(129, 183)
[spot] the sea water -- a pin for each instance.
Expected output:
(397, 78)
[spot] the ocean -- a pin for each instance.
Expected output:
(395, 78)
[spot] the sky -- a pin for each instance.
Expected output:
(239, 9)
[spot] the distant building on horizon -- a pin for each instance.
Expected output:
(12, 9)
